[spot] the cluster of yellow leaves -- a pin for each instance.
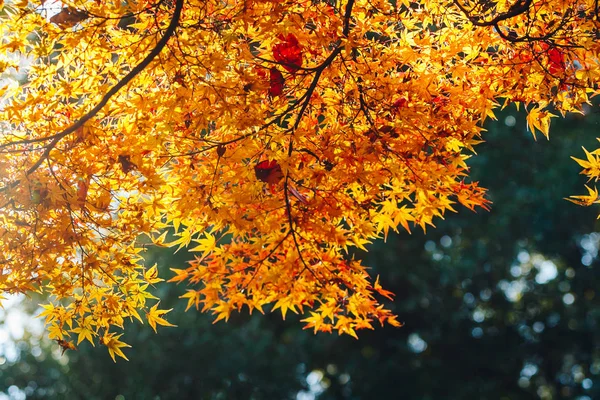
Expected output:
(591, 169)
(270, 135)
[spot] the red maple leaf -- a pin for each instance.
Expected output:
(288, 53)
(556, 61)
(276, 81)
(401, 102)
(268, 171)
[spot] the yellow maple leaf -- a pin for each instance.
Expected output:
(223, 311)
(49, 312)
(193, 297)
(591, 166)
(317, 322)
(84, 332)
(151, 275)
(180, 275)
(154, 317)
(285, 304)
(114, 345)
(585, 200)
(206, 244)
(538, 119)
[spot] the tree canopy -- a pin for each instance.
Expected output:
(503, 313)
(268, 137)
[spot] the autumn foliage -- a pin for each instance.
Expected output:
(268, 136)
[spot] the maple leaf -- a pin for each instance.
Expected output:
(401, 103)
(268, 171)
(84, 332)
(154, 317)
(206, 244)
(585, 200)
(180, 275)
(114, 345)
(284, 305)
(82, 190)
(65, 345)
(193, 297)
(276, 82)
(49, 312)
(288, 53)
(294, 192)
(344, 325)
(125, 162)
(56, 332)
(556, 61)
(538, 119)
(151, 275)
(317, 322)
(591, 166)
(69, 17)
(223, 311)
(382, 291)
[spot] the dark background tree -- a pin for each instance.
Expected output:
(496, 305)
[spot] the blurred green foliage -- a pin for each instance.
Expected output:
(496, 305)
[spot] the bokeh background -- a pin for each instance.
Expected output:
(496, 305)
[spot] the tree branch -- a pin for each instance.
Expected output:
(520, 7)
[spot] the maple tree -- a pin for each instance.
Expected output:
(269, 136)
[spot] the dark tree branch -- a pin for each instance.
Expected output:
(347, 15)
(527, 38)
(520, 7)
